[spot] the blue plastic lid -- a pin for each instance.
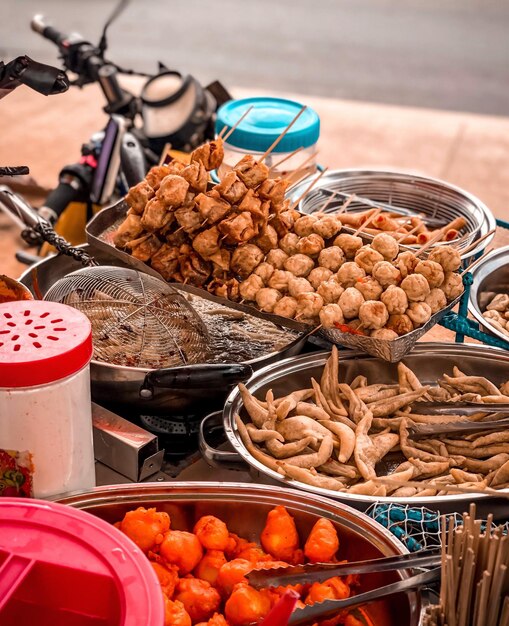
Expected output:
(266, 121)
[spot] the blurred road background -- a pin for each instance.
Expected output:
(441, 54)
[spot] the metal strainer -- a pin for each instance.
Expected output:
(137, 319)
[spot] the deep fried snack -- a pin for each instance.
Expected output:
(182, 549)
(131, 228)
(322, 542)
(251, 172)
(212, 533)
(199, 598)
(279, 537)
(138, 196)
(146, 527)
(210, 154)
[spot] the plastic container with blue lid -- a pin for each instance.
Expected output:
(262, 126)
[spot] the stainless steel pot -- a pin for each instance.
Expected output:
(244, 509)
(178, 390)
(428, 360)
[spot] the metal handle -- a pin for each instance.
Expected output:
(213, 456)
(420, 431)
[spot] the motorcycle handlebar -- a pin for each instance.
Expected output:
(40, 26)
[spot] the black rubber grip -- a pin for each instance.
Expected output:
(199, 376)
(61, 197)
(53, 35)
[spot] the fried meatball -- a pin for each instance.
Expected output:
(298, 285)
(349, 273)
(373, 314)
(304, 225)
(330, 315)
(416, 287)
(366, 258)
(432, 272)
(264, 271)
(309, 305)
(279, 280)
(386, 273)
(369, 287)
(395, 299)
(332, 258)
(327, 226)
(267, 298)
(436, 300)
(400, 324)
(406, 263)
(350, 302)
(386, 245)
(419, 313)
(277, 258)
(245, 259)
(250, 287)
(452, 285)
(449, 258)
(286, 307)
(330, 291)
(289, 242)
(312, 245)
(384, 333)
(318, 276)
(350, 244)
(299, 265)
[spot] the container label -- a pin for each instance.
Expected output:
(16, 474)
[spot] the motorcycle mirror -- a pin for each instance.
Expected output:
(117, 11)
(45, 79)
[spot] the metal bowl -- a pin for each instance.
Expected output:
(491, 276)
(418, 194)
(428, 360)
(244, 509)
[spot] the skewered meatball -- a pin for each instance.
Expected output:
(436, 300)
(416, 287)
(366, 258)
(327, 226)
(318, 276)
(384, 333)
(431, 271)
(250, 287)
(395, 300)
(304, 225)
(386, 245)
(330, 315)
(264, 271)
(267, 298)
(386, 273)
(449, 258)
(279, 280)
(332, 258)
(349, 273)
(245, 259)
(312, 245)
(286, 307)
(289, 242)
(369, 287)
(419, 313)
(452, 285)
(309, 305)
(373, 314)
(299, 264)
(330, 291)
(350, 244)
(406, 263)
(400, 324)
(350, 302)
(277, 258)
(296, 286)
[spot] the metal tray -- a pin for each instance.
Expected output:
(428, 360)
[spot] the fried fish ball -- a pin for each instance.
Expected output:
(452, 285)
(332, 258)
(330, 315)
(312, 245)
(369, 287)
(182, 549)
(250, 287)
(432, 272)
(246, 606)
(277, 258)
(366, 258)
(350, 302)
(286, 307)
(349, 273)
(384, 333)
(199, 598)
(395, 299)
(318, 276)
(138, 196)
(400, 324)
(212, 533)
(146, 527)
(330, 291)
(298, 285)
(264, 271)
(279, 280)
(245, 259)
(436, 300)
(406, 262)
(449, 258)
(322, 542)
(419, 313)
(304, 225)
(416, 287)
(309, 305)
(386, 245)
(267, 298)
(299, 265)
(327, 226)
(350, 244)
(373, 314)
(386, 273)
(288, 243)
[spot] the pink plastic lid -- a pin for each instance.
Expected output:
(42, 342)
(60, 566)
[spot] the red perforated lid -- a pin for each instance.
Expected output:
(41, 342)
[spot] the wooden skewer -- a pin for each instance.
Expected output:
(365, 224)
(164, 153)
(236, 125)
(436, 237)
(476, 262)
(223, 130)
(346, 203)
(474, 244)
(288, 156)
(308, 189)
(409, 232)
(276, 142)
(330, 199)
(299, 174)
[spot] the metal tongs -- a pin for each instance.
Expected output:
(306, 574)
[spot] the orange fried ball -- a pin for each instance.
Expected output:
(182, 549)
(199, 598)
(279, 537)
(216, 620)
(208, 568)
(231, 574)
(333, 589)
(246, 606)
(175, 614)
(145, 527)
(168, 578)
(212, 533)
(322, 543)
